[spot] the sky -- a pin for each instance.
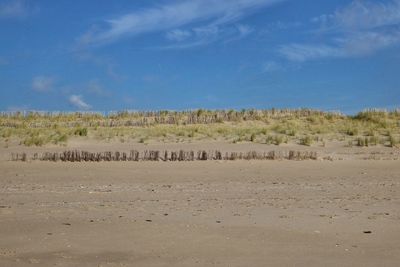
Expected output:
(101, 55)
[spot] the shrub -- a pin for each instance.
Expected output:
(34, 140)
(291, 132)
(275, 140)
(191, 133)
(6, 133)
(279, 140)
(181, 133)
(393, 141)
(352, 131)
(253, 137)
(264, 131)
(62, 139)
(81, 132)
(306, 141)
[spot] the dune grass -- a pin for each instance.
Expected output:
(304, 127)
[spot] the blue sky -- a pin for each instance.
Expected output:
(110, 55)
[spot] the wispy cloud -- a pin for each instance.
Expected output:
(272, 66)
(78, 102)
(358, 45)
(195, 37)
(16, 9)
(366, 43)
(172, 16)
(304, 52)
(237, 32)
(244, 30)
(204, 35)
(359, 29)
(367, 15)
(178, 35)
(42, 83)
(279, 26)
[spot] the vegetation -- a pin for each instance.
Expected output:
(306, 141)
(393, 141)
(303, 126)
(81, 131)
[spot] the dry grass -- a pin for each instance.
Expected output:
(305, 127)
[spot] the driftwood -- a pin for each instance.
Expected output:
(156, 155)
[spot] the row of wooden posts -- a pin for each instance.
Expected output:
(156, 155)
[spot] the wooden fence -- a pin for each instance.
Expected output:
(156, 155)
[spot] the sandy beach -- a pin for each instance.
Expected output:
(213, 213)
(200, 133)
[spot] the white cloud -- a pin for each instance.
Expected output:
(244, 30)
(199, 36)
(358, 45)
(367, 15)
(42, 83)
(207, 34)
(78, 102)
(280, 26)
(361, 15)
(272, 66)
(323, 19)
(171, 16)
(15, 9)
(366, 43)
(238, 32)
(359, 29)
(178, 35)
(304, 52)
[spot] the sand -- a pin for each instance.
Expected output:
(242, 213)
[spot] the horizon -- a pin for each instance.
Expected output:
(187, 55)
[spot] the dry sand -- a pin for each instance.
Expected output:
(242, 213)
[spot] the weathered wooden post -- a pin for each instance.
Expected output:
(174, 156)
(181, 156)
(204, 155)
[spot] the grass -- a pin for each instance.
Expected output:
(303, 126)
(393, 141)
(81, 131)
(306, 141)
